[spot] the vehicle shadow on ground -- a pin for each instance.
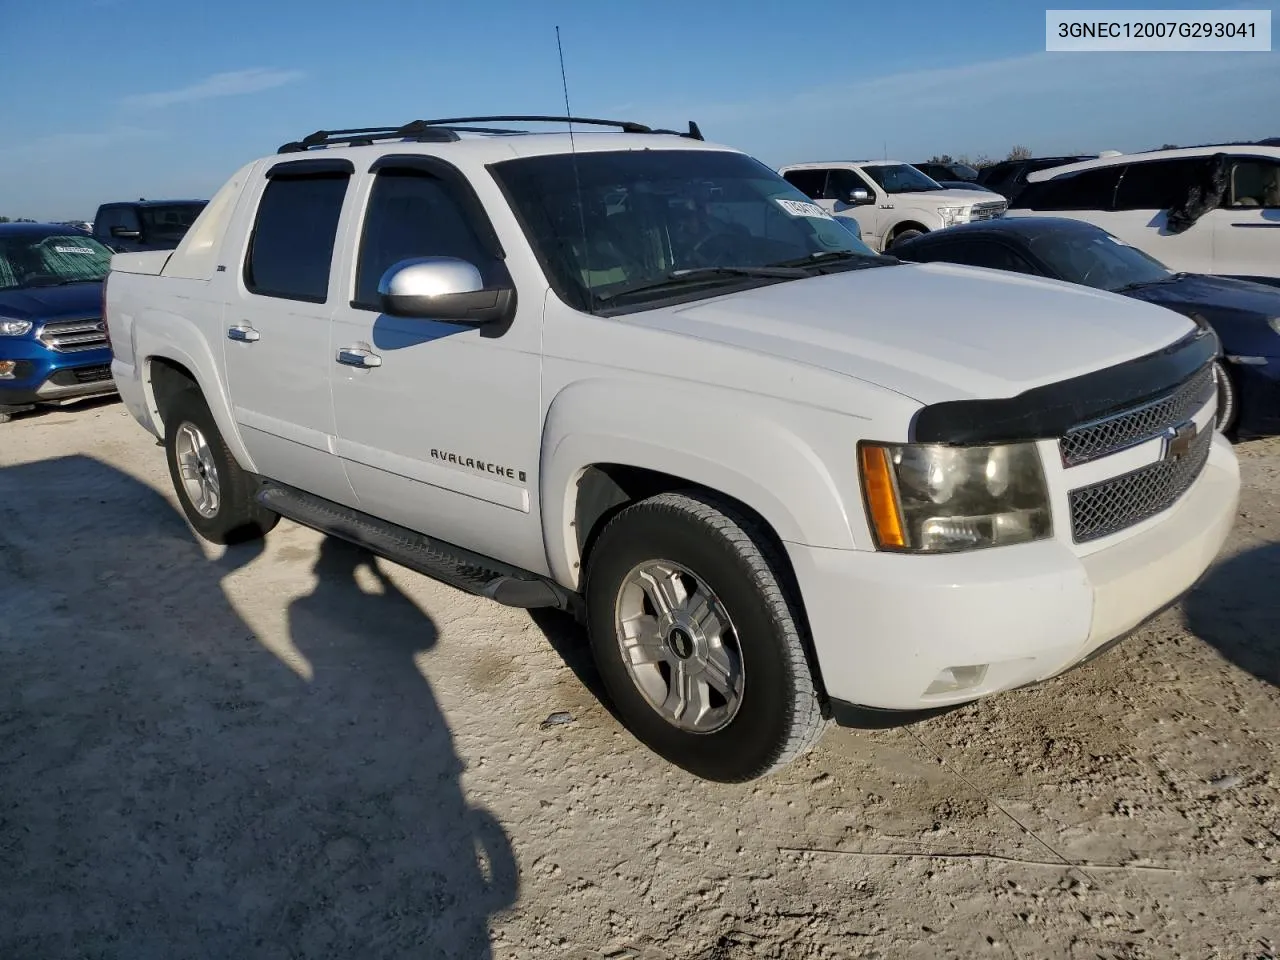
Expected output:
(171, 788)
(568, 638)
(1236, 609)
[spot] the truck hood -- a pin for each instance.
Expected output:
(944, 198)
(932, 332)
(52, 303)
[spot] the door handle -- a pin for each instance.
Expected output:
(355, 357)
(243, 333)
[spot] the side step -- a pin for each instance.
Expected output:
(441, 561)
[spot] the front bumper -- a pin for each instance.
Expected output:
(44, 376)
(913, 633)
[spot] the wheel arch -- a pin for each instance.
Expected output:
(897, 228)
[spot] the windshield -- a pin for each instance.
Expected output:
(40, 260)
(607, 223)
(169, 222)
(899, 178)
(1096, 259)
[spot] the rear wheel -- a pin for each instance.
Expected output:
(697, 641)
(1228, 403)
(216, 494)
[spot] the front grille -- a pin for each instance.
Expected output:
(1139, 424)
(1112, 505)
(72, 336)
(988, 210)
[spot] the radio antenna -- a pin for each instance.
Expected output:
(577, 181)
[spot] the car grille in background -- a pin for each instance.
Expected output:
(1138, 425)
(989, 210)
(1119, 502)
(70, 336)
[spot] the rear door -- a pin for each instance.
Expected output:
(1247, 228)
(276, 325)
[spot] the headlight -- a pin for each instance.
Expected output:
(929, 498)
(953, 215)
(1274, 323)
(13, 328)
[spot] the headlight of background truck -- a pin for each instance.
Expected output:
(930, 498)
(13, 328)
(953, 215)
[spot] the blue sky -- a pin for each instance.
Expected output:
(115, 99)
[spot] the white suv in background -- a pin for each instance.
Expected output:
(1212, 209)
(889, 200)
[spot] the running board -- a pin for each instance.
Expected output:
(456, 566)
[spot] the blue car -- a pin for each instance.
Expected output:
(1244, 315)
(53, 342)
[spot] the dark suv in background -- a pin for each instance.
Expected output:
(947, 171)
(145, 224)
(1009, 177)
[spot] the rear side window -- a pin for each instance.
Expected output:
(987, 253)
(291, 249)
(1255, 183)
(413, 214)
(809, 182)
(1158, 184)
(1087, 190)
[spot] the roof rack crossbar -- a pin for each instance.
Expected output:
(445, 130)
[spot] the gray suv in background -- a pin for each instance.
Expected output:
(145, 224)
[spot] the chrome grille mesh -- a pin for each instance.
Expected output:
(1111, 505)
(1116, 433)
(70, 336)
(989, 210)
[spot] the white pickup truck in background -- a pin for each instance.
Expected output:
(890, 200)
(642, 378)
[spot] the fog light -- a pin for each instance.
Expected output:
(6, 369)
(953, 679)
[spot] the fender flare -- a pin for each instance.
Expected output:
(734, 449)
(167, 336)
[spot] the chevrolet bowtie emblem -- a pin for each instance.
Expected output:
(1178, 441)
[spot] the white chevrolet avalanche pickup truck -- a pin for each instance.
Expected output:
(641, 378)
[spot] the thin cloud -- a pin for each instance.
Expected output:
(230, 84)
(70, 144)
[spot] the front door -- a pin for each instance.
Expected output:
(276, 329)
(1247, 228)
(437, 422)
(842, 182)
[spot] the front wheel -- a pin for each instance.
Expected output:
(1228, 404)
(215, 493)
(902, 236)
(697, 641)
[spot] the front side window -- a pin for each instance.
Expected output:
(900, 178)
(842, 183)
(51, 260)
(1087, 190)
(1097, 259)
(613, 226)
(1255, 183)
(123, 217)
(291, 248)
(1158, 184)
(412, 213)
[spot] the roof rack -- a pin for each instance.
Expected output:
(447, 130)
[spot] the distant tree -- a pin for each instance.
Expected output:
(1019, 153)
(981, 162)
(944, 158)
(4, 219)
(1169, 146)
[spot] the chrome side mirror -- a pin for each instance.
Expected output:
(443, 288)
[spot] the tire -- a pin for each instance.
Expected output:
(902, 235)
(711, 553)
(191, 437)
(1228, 400)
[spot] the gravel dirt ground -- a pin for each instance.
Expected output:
(293, 750)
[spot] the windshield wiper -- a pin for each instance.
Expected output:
(680, 278)
(1137, 284)
(838, 256)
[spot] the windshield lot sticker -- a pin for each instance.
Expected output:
(798, 208)
(87, 250)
